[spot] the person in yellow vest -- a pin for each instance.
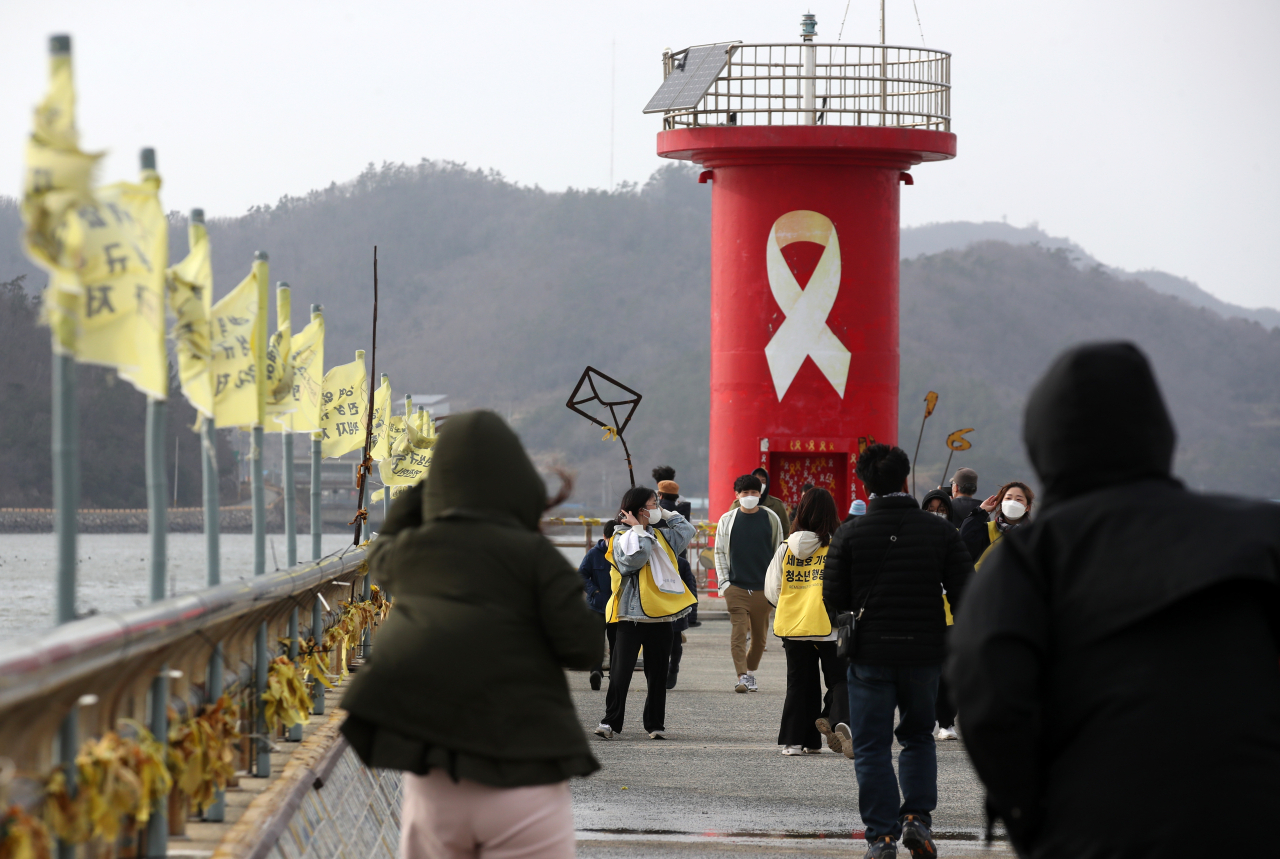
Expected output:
(1012, 506)
(793, 584)
(647, 596)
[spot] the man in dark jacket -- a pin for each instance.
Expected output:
(889, 568)
(1115, 661)
(963, 486)
(598, 585)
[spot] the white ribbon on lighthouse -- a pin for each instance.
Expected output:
(804, 332)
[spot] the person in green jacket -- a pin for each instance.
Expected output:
(465, 689)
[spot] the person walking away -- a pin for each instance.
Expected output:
(669, 499)
(938, 502)
(889, 569)
(488, 616)
(1129, 599)
(679, 626)
(595, 571)
(647, 596)
(963, 485)
(771, 501)
(793, 584)
(1012, 506)
(666, 474)
(746, 538)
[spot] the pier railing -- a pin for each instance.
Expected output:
(100, 669)
(823, 84)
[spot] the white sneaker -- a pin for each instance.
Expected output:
(657, 735)
(793, 750)
(948, 734)
(742, 683)
(605, 731)
(751, 683)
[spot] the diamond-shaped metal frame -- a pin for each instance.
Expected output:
(589, 381)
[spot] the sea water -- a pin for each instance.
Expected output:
(113, 573)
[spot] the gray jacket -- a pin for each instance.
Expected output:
(678, 533)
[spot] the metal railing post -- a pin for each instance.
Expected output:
(317, 521)
(262, 760)
(295, 732)
(317, 632)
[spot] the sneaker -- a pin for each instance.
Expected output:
(742, 684)
(596, 677)
(833, 739)
(809, 751)
(917, 838)
(948, 734)
(751, 683)
(881, 848)
(671, 679)
(603, 730)
(846, 739)
(793, 750)
(657, 735)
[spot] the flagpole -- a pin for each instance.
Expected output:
(157, 520)
(262, 758)
(317, 522)
(361, 520)
(284, 312)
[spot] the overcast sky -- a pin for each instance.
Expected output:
(1139, 129)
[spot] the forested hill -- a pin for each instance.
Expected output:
(498, 295)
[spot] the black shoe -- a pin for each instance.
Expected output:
(596, 676)
(695, 623)
(917, 838)
(882, 848)
(671, 679)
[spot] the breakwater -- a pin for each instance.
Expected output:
(182, 520)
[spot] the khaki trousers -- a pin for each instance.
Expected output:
(748, 610)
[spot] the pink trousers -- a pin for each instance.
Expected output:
(447, 820)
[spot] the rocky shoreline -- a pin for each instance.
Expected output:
(182, 520)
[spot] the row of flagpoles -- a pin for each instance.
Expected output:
(109, 295)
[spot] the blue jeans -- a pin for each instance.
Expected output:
(874, 692)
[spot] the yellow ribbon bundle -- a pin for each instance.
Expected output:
(313, 665)
(202, 751)
(116, 777)
(287, 701)
(23, 836)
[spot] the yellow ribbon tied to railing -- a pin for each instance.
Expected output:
(610, 434)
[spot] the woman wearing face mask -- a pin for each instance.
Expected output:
(1012, 506)
(648, 595)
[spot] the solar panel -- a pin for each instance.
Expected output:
(691, 78)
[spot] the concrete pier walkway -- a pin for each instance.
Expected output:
(720, 785)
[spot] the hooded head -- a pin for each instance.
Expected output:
(479, 465)
(1097, 419)
(941, 496)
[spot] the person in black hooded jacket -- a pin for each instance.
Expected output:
(1116, 661)
(890, 568)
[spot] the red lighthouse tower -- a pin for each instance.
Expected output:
(806, 146)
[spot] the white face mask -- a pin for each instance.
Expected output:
(941, 513)
(655, 516)
(1012, 509)
(748, 502)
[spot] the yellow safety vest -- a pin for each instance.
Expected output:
(800, 607)
(995, 535)
(653, 602)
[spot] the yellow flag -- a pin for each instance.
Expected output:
(279, 364)
(344, 401)
(57, 180)
(308, 367)
(410, 457)
(381, 414)
(123, 259)
(191, 300)
(235, 389)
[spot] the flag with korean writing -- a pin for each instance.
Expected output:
(235, 384)
(382, 421)
(57, 180)
(191, 300)
(344, 400)
(308, 377)
(120, 314)
(410, 458)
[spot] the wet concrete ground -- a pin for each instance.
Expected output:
(719, 784)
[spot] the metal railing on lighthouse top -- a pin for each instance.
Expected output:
(806, 83)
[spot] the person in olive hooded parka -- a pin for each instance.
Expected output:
(1115, 663)
(467, 673)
